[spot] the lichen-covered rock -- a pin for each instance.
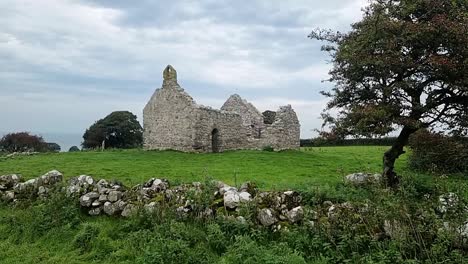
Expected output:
(295, 215)
(120, 205)
(152, 187)
(42, 191)
(109, 208)
(231, 199)
(447, 201)
(80, 185)
(130, 209)
(102, 198)
(51, 178)
(266, 217)
(27, 186)
(227, 188)
(151, 207)
(245, 197)
(114, 196)
(8, 196)
(290, 199)
(248, 187)
(8, 181)
(87, 200)
(362, 178)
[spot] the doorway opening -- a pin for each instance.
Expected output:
(215, 141)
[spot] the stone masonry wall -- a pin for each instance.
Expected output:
(252, 119)
(172, 120)
(229, 126)
(284, 133)
(169, 118)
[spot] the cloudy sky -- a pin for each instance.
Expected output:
(67, 63)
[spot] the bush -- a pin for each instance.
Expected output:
(438, 153)
(54, 147)
(268, 148)
(323, 142)
(74, 149)
(23, 141)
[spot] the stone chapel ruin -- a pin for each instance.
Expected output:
(173, 120)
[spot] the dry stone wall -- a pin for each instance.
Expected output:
(102, 197)
(172, 120)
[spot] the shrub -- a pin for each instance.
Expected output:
(74, 149)
(54, 147)
(437, 152)
(22, 141)
(268, 148)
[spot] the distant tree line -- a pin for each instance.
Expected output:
(322, 142)
(26, 142)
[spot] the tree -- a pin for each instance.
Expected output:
(403, 67)
(119, 129)
(53, 147)
(22, 141)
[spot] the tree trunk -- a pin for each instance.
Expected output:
(389, 177)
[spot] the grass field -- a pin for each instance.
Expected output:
(56, 231)
(271, 170)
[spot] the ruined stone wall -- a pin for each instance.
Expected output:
(252, 119)
(172, 120)
(284, 133)
(231, 133)
(169, 118)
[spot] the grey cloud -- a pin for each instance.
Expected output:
(105, 55)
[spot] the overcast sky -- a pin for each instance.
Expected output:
(65, 64)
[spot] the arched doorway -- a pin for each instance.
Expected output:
(215, 141)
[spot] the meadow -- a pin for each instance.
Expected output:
(316, 166)
(56, 231)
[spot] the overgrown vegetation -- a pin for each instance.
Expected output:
(25, 142)
(438, 153)
(55, 231)
(334, 141)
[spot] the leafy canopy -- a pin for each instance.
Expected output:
(22, 141)
(404, 64)
(119, 129)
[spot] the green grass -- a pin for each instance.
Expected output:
(56, 231)
(270, 170)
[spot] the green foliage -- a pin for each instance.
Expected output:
(268, 148)
(74, 149)
(438, 153)
(56, 232)
(22, 141)
(400, 53)
(119, 129)
(54, 147)
(325, 142)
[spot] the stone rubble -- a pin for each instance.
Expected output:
(98, 197)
